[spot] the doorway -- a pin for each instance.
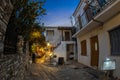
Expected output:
(94, 51)
(70, 51)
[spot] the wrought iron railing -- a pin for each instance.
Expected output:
(95, 7)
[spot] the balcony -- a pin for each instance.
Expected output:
(97, 13)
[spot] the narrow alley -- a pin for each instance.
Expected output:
(63, 72)
(59, 39)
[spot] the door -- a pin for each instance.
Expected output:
(94, 51)
(70, 51)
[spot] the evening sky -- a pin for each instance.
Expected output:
(59, 12)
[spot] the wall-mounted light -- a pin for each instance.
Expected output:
(109, 64)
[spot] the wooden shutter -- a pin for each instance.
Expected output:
(83, 48)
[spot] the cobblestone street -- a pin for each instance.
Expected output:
(64, 72)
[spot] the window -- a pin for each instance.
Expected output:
(88, 12)
(50, 32)
(115, 41)
(79, 20)
(83, 48)
(50, 35)
(84, 20)
(102, 2)
(67, 36)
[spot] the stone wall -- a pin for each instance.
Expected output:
(5, 12)
(13, 66)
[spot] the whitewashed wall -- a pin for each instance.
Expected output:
(104, 44)
(60, 51)
(57, 36)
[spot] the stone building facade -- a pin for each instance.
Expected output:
(12, 66)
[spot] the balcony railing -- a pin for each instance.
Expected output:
(94, 7)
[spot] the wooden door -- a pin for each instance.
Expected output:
(94, 51)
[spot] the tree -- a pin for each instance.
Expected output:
(37, 35)
(24, 15)
(21, 21)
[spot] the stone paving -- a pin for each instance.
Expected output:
(65, 72)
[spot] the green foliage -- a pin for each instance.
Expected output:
(39, 38)
(24, 15)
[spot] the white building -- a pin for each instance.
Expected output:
(61, 40)
(98, 32)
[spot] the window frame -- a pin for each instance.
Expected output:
(112, 43)
(51, 31)
(83, 47)
(50, 37)
(79, 22)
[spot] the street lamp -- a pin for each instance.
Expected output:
(48, 44)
